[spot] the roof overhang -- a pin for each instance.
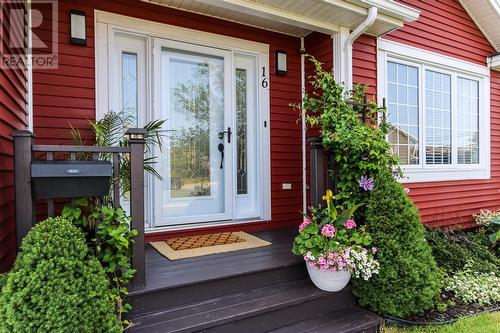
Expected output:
(486, 14)
(301, 17)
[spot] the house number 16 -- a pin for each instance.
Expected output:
(264, 82)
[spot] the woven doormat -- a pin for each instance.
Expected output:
(202, 245)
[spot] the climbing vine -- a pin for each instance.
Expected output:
(359, 149)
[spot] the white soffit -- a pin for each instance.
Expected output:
(486, 14)
(301, 17)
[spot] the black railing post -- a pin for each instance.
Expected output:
(136, 141)
(317, 179)
(25, 208)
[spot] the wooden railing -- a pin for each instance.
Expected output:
(25, 151)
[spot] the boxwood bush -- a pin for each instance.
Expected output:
(409, 279)
(55, 286)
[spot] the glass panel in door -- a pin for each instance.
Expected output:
(194, 164)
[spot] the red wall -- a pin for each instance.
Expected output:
(13, 104)
(66, 95)
(444, 27)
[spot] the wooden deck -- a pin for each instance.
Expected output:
(163, 273)
(256, 290)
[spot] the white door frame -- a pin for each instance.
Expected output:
(105, 22)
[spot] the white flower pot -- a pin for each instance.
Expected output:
(328, 280)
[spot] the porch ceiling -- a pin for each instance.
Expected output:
(301, 17)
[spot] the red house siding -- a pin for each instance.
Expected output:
(445, 27)
(66, 96)
(13, 106)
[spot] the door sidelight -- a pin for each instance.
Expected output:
(228, 132)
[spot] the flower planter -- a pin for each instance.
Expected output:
(328, 280)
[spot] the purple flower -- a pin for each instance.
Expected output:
(366, 183)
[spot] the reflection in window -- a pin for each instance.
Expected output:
(241, 130)
(129, 86)
(437, 118)
(402, 89)
(196, 107)
(467, 121)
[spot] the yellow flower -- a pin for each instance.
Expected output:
(328, 196)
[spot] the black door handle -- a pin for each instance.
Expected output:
(221, 149)
(221, 134)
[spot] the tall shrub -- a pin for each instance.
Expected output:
(55, 286)
(409, 279)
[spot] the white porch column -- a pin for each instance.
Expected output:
(342, 64)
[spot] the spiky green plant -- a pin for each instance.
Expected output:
(109, 132)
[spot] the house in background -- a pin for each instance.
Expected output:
(223, 73)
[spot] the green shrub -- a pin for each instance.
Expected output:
(55, 286)
(409, 279)
(454, 249)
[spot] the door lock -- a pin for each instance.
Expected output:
(228, 132)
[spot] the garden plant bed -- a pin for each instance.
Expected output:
(435, 317)
(482, 323)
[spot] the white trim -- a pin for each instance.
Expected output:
(108, 23)
(29, 74)
(172, 32)
(203, 225)
(494, 62)
(340, 55)
(424, 60)
(303, 124)
(414, 53)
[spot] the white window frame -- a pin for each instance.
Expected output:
(107, 23)
(427, 60)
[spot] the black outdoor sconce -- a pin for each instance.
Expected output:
(280, 58)
(78, 27)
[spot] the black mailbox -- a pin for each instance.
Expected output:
(70, 179)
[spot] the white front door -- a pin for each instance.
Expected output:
(194, 95)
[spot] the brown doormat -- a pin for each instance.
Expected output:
(202, 245)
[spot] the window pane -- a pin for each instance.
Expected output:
(438, 118)
(129, 86)
(402, 88)
(468, 121)
(241, 130)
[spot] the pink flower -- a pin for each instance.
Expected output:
(407, 190)
(349, 224)
(374, 250)
(328, 230)
(304, 224)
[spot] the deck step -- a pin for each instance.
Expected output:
(158, 299)
(354, 320)
(258, 310)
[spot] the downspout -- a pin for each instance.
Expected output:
(303, 124)
(367, 23)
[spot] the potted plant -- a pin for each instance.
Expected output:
(334, 247)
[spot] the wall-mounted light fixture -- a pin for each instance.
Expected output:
(280, 57)
(78, 27)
